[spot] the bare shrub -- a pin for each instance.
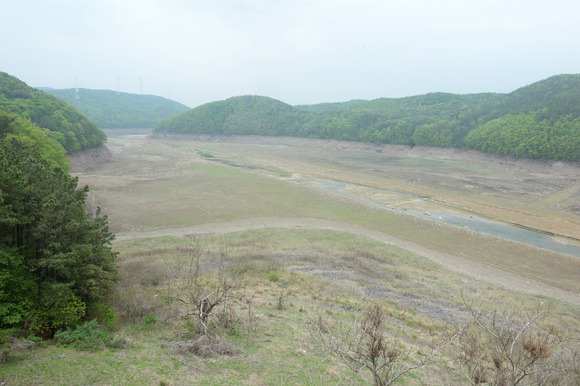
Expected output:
(206, 293)
(10, 345)
(281, 300)
(207, 346)
(4, 353)
(513, 347)
(133, 302)
(365, 346)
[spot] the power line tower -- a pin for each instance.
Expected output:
(77, 96)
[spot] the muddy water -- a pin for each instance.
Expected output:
(390, 200)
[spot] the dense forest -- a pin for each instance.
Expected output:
(111, 109)
(61, 121)
(323, 107)
(56, 262)
(238, 115)
(541, 120)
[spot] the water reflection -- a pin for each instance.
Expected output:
(391, 200)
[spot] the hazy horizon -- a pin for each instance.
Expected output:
(299, 52)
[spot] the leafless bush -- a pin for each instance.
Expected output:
(206, 293)
(365, 346)
(133, 302)
(281, 300)
(4, 353)
(12, 345)
(512, 347)
(206, 346)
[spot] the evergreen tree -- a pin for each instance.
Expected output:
(57, 256)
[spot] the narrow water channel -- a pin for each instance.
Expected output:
(471, 222)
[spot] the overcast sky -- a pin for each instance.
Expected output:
(297, 51)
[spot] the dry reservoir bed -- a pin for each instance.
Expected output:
(214, 184)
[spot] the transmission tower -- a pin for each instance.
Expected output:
(77, 96)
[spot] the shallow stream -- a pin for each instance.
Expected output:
(393, 200)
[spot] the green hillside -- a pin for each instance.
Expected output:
(238, 115)
(541, 120)
(322, 107)
(120, 110)
(68, 126)
(16, 128)
(55, 258)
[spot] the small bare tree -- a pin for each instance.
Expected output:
(206, 292)
(512, 347)
(365, 346)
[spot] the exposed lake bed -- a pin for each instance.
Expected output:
(431, 197)
(428, 209)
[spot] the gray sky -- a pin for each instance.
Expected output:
(297, 51)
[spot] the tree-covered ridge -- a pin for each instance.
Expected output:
(333, 106)
(255, 115)
(71, 129)
(13, 126)
(55, 258)
(436, 119)
(525, 135)
(112, 109)
(541, 120)
(536, 121)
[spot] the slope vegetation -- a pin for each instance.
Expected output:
(68, 126)
(541, 120)
(238, 115)
(120, 110)
(55, 258)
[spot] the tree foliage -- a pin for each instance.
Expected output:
(50, 149)
(323, 107)
(524, 135)
(120, 110)
(238, 115)
(536, 121)
(54, 256)
(69, 127)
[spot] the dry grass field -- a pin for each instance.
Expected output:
(300, 262)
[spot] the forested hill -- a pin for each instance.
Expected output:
(65, 124)
(323, 107)
(113, 109)
(56, 260)
(255, 115)
(541, 120)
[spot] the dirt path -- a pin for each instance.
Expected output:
(493, 275)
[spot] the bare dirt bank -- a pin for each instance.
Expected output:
(89, 158)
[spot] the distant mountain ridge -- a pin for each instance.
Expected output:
(541, 120)
(322, 107)
(68, 126)
(111, 109)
